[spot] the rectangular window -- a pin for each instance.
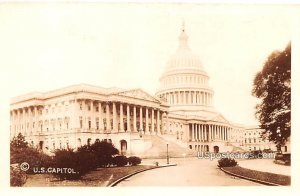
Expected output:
(90, 124)
(80, 122)
(97, 109)
(97, 125)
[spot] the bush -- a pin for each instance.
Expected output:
(279, 156)
(81, 162)
(134, 160)
(120, 161)
(286, 158)
(104, 152)
(17, 177)
(227, 162)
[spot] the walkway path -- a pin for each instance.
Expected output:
(188, 172)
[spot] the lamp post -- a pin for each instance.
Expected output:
(167, 153)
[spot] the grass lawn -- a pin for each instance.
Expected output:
(99, 177)
(264, 176)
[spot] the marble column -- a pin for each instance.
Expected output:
(193, 133)
(115, 123)
(107, 113)
(215, 132)
(222, 133)
(152, 121)
(30, 119)
(198, 134)
(134, 119)
(100, 111)
(121, 118)
(158, 121)
(92, 116)
(141, 119)
(35, 119)
(209, 133)
(128, 118)
(205, 134)
(147, 121)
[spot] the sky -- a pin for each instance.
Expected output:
(46, 46)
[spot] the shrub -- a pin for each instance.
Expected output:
(104, 152)
(17, 177)
(227, 162)
(134, 160)
(287, 159)
(279, 156)
(120, 161)
(81, 162)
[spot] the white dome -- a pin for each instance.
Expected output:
(184, 83)
(184, 59)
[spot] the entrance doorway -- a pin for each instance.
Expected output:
(216, 149)
(123, 144)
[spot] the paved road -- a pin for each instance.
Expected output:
(189, 172)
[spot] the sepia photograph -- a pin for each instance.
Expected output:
(148, 94)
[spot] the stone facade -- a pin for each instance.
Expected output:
(81, 114)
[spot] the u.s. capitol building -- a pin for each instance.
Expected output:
(180, 114)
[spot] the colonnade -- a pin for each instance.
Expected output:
(209, 132)
(190, 97)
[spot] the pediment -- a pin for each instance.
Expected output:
(219, 118)
(138, 94)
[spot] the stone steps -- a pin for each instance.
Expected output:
(159, 148)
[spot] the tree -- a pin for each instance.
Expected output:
(104, 152)
(21, 152)
(18, 142)
(272, 85)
